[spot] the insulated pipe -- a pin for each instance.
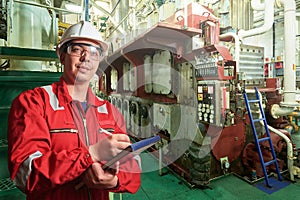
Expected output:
(54, 29)
(185, 18)
(257, 5)
(268, 19)
(290, 154)
(277, 111)
(289, 91)
(237, 47)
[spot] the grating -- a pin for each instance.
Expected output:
(6, 184)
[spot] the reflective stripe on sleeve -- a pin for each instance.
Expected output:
(24, 170)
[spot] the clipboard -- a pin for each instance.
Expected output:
(134, 149)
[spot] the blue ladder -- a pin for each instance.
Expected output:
(258, 140)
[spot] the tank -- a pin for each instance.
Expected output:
(25, 31)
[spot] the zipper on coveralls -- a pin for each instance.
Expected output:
(84, 125)
(86, 132)
(82, 116)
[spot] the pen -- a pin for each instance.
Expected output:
(105, 131)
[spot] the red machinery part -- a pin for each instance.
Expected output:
(228, 141)
(251, 159)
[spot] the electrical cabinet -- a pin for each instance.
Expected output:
(212, 101)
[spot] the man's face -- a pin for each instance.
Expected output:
(80, 61)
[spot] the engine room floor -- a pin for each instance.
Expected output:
(171, 187)
(229, 187)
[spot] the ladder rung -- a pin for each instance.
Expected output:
(270, 162)
(263, 139)
(257, 120)
(254, 101)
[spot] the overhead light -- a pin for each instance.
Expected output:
(73, 7)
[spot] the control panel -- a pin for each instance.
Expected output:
(212, 101)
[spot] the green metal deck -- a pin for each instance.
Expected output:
(170, 187)
(228, 187)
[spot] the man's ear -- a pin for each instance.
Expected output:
(62, 58)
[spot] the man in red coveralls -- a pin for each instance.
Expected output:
(55, 132)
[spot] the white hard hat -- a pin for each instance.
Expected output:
(81, 30)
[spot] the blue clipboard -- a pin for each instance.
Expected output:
(134, 149)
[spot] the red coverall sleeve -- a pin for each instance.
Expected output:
(28, 133)
(129, 172)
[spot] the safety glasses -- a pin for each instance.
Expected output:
(80, 49)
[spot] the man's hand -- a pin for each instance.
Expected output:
(109, 147)
(95, 177)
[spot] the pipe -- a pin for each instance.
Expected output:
(116, 27)
(277, 111)
(237, 48)
(115, 24)
(257, 5)
(268, 21)
(185, 18)
(86, 13)
(134, 23)
(289, 91)
(44, 6)
(290, 154)
(54, 29)
(111, 13)
(92, 2)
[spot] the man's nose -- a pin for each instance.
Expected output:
(84, 56)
